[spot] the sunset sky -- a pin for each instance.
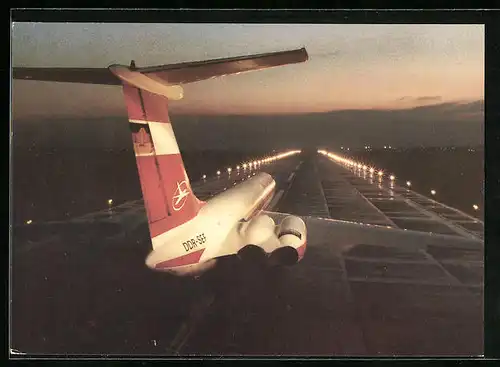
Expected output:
(350, 67)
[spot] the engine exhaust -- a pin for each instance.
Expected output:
(286, 256)
(252, 254)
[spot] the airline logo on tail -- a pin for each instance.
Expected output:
(141, 137)
(180, 196)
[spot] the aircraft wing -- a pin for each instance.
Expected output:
(181, 73)
(344, 235)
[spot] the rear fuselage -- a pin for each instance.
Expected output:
(193, 247)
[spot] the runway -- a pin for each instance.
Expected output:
(81, 287)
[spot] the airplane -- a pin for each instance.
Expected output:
(189, 236)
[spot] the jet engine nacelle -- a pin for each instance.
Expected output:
(257, 233)
(292, 235)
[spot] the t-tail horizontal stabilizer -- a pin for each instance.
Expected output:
(171, 74)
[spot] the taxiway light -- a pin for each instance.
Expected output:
(408, 183)
(29, 221)
(392, 177)
(218, 173)
(237, 167)
(110, 201)
(433, 192)
(204, 176)
(475, 207)
(229, 170)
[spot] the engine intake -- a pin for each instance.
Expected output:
(292, 235)
(290, 231)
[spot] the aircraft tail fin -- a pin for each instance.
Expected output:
(168, 197)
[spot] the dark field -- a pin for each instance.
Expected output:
(457, 175)
(55, 184)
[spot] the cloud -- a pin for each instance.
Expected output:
(429, 98)
(425, 107)
(452, 109)
(420, 99)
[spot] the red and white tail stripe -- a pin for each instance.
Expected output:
(167, 193)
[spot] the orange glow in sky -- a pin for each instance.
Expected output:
(350, 66)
